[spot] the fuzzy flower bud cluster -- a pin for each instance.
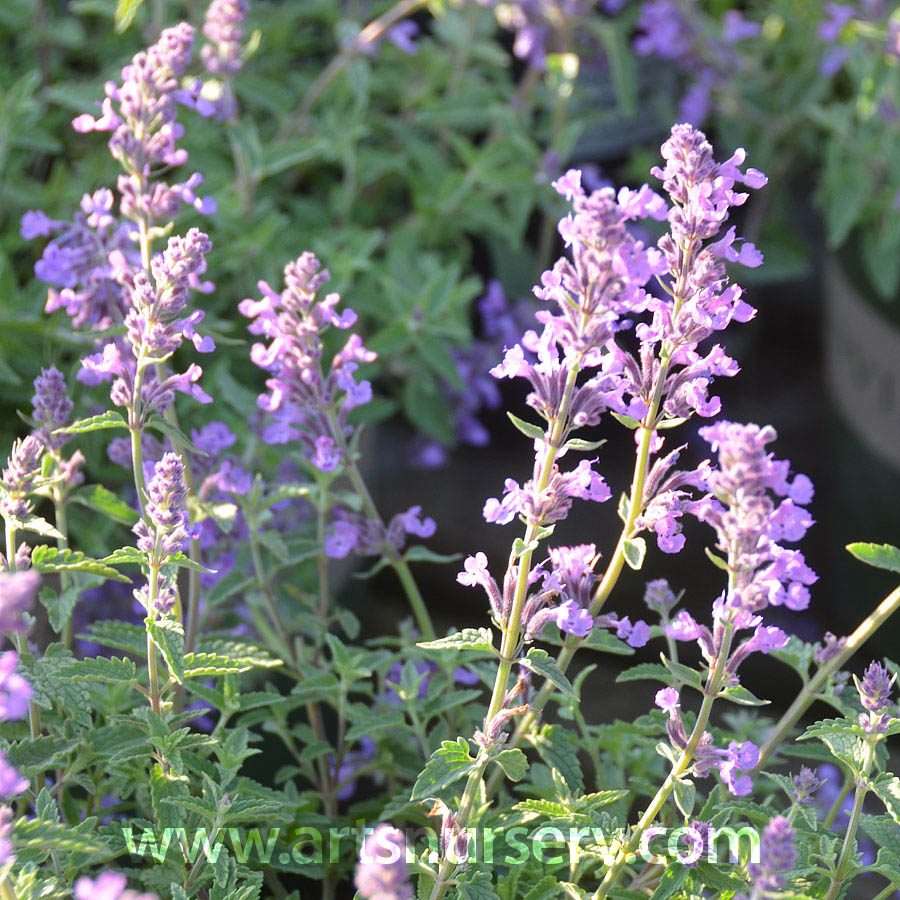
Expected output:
(20, 477)
(142, 115)
(165, 527)
(156, 326)
(875, 694)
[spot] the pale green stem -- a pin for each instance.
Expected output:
(847, 859)
(713, 686)
(807, 695)
(617, 561)
(396, 561)
(513, 625)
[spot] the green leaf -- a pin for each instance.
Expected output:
(175, 434)
(671, 881)
(583, 446)
(59, 606)
(104, 501)
(211, 665)
(418, 553)
(887, 788)
(52, 559)
(168, 635)
(467, 639)
(635, 550)
(558, 748)
(535, 432)
(375, 721)
(110, 670)
(185, 562)
(846, 741)
(627, 421)
(513, 762)
(881, 556)
(606, 642)
(125, 556)
(646, 671)
(713, 876)
(36, 835)
(447, 765)
(109, 419)
(475, 884)
(540, 662)
(737, 693)
(119, 635)
(42, 527)
(125, 13)
(685, 796)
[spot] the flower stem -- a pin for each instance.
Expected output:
(713, 686)
(847, 859)
(372, 32)
(512, 629)
(807, 695)
(397, 562)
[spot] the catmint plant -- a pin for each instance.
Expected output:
(192, 706)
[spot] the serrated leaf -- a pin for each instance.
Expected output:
(447, 765)
(881, 556)
(110, 670)
(635, 549)
(846, 741)
(887, 788)
(558, 748)
(53, 559)
(109, 419)
(475, 885)
(125, 556)
(541, 663)
(646, 671)
(168, 636)
(513, 762)
(117, 634)
(104, 501)
(467, 639)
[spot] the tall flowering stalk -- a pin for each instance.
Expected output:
(310, 402)
(668, 379)
(142, 115)
(661, 385)
(752, 530)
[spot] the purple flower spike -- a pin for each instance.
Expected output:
(52, 407)
(777, 856)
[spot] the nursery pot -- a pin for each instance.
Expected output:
(862, 361)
